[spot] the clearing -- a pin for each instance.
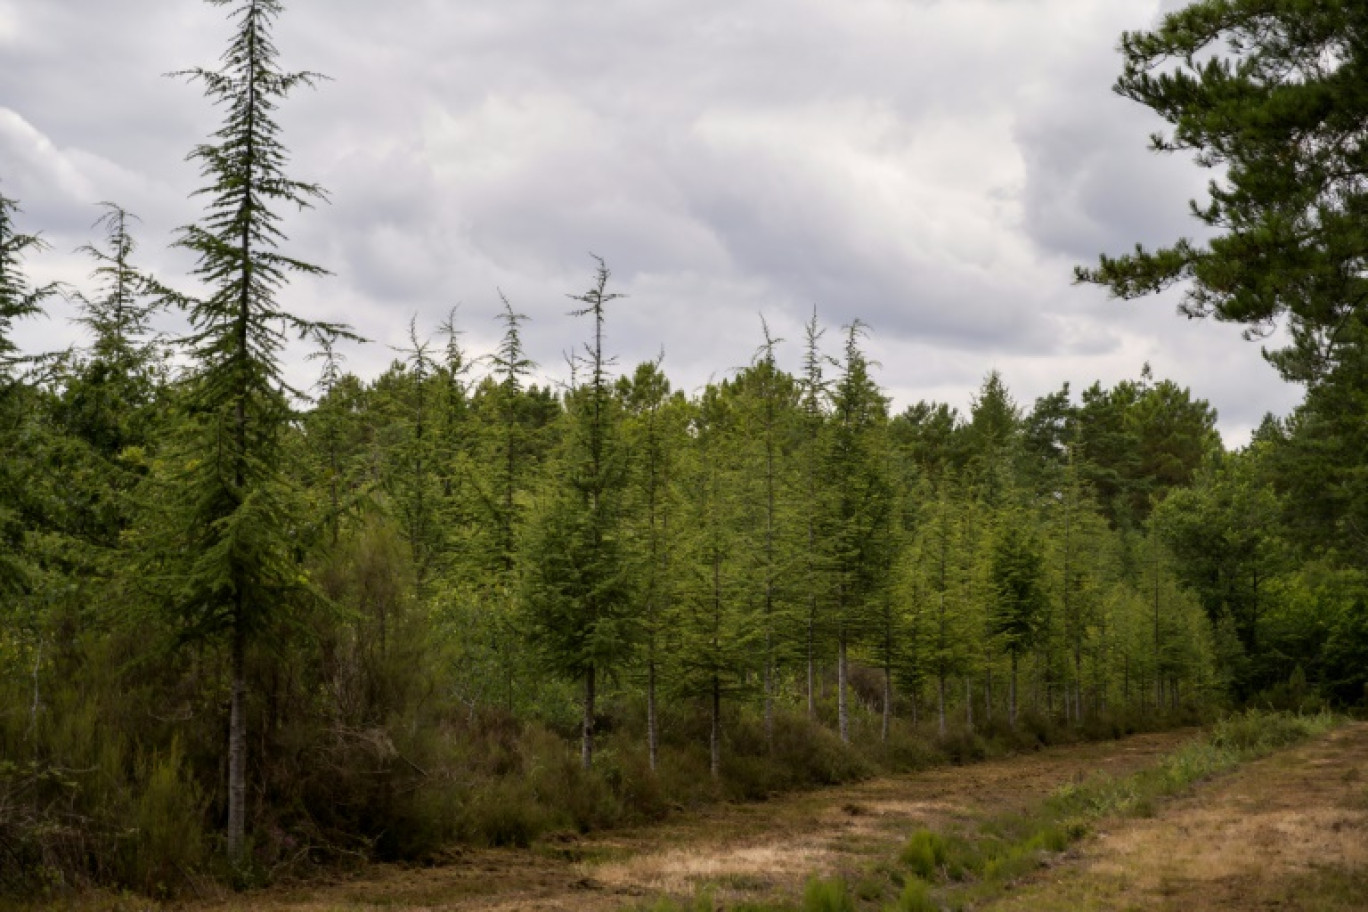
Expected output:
(748, 851)
(1287, 832)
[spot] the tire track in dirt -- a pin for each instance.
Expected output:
(1288, 832)
(748, 851)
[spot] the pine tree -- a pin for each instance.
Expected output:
(236, 527)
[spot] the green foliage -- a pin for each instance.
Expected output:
(915, 897)
(924, 855)
(1285, 213)
(373, 588)
(829, 895)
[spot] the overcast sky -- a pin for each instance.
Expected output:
(934, 168)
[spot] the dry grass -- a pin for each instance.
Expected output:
(744, 852)
(1287, 832)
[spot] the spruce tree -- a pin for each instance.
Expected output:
(236, 528)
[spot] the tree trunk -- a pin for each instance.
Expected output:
(987, 696)
(652, 734)
(969, 702)
(715, 735)
(812, 658)
(1012, 695)
(842, 710)
(1078, 686)
(587, 729)
(769, 698)
(237, 746)
(887, 703)
(940, 696)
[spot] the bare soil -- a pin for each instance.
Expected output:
(1289, 832)
(752, 852)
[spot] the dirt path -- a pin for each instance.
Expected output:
(755, 851)
(1289, 832)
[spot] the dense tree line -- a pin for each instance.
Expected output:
(371, 618)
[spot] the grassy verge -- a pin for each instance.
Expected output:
(966, 867)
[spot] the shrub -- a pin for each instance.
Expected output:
(168, 817)
(924, 855)
(827, 896)
(915, 897)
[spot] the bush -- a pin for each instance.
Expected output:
(827, 896)
(924, 855)
(915, 897)
(505, 812)
(168, 817)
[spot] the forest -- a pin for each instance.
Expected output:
(249, 628)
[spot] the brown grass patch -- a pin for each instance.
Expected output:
(1243, 843)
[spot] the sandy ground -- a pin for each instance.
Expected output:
(1289, 832)
(753, 851)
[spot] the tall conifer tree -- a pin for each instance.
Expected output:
(236, 527)
(578, 599)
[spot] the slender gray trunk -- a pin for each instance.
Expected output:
(811, 678)
(237, 746)
(715, 735)
(987, 695)
(842, 710)
(769, 698)
(940, 700)
(37, 701)
(969, 702)
(587, 725)
(887, 703)
(1125, 679)
(652, 737)
(1012, 695)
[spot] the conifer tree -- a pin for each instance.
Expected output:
(236, 527)
(717, 627)
(813, 405)
(511, 365)
(415, 480)
(18, 299)
(941, 556)
(577, 593)
(656, 422)
(1018, 595)
(767, 400)
(862, 521)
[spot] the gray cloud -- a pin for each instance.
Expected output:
(934, 168)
